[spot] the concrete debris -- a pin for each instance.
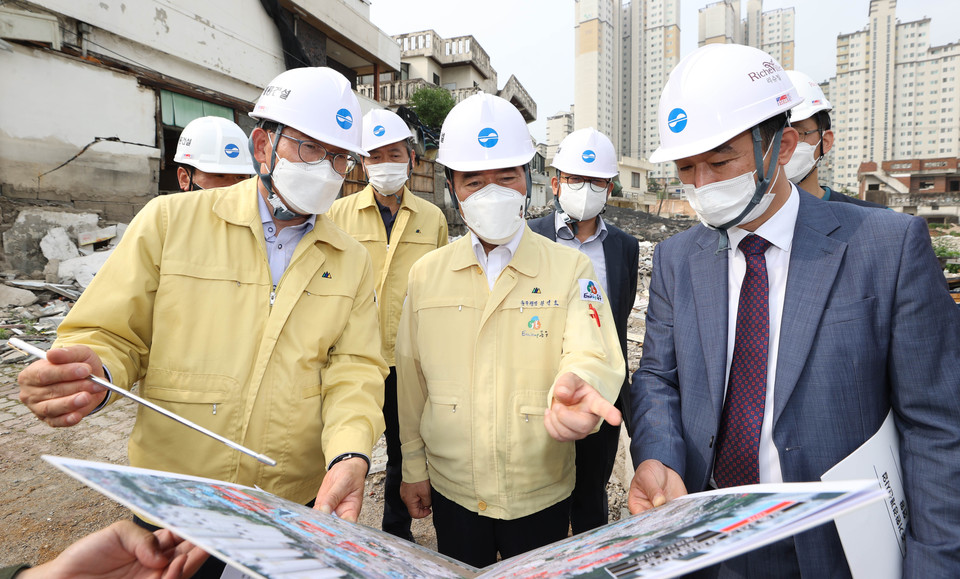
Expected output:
(82, 269)
(97, 236)
(67, 291)
(11, 296)
(57, 245)
(21, 243)
(51, 272)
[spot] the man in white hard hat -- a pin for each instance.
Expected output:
(586, 164)
(397, 228)
(782, 331)
(811, 119)
(506, 353)
(245, 310)
(211, 152)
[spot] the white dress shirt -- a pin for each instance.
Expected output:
(498, 258)
(778, 230)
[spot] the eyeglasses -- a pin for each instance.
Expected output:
(313, 153)
(805, 133)
(576, 183)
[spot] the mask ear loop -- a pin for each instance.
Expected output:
(570, 222)
(762, 185)
(280, 211)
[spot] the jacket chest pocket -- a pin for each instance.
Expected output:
(447, 336)
(319, 317)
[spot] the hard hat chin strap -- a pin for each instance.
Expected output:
(280, 211)
(569, 221)
(763, 184)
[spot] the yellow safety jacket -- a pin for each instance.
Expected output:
(419, 228)
(476, 369)
(186, 306)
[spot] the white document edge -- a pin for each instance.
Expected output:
(873, 538)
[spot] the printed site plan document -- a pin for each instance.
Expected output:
(874, 538)
(266, 536)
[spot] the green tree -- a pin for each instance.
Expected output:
(432, 105)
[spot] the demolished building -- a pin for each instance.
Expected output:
(95, 94)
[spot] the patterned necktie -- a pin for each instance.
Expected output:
(738, 442)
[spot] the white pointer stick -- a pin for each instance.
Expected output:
(38, 353)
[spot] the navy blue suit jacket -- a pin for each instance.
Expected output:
(621, 254)
(867, 325)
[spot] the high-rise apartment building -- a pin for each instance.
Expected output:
(752, 23)
(558, 127)
(773, 32)
(660, 54)
(894, 96)
(719, 23)
(778, 34)
(597, 69)
(646, 48)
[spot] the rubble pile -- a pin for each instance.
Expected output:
(640, 224)
(51, 255)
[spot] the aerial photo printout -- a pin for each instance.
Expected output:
(263, 535)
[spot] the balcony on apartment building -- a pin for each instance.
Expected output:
(447, 52)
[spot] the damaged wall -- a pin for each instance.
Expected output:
(48, 120)
(234, 38)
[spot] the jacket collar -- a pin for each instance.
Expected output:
(366, 199)
(238, 205)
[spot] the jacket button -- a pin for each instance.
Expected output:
(482, 506)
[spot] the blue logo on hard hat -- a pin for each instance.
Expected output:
(488, 137)
(231, 151)
(378, 131)
(588, 156)
(344, 119)
(677, 120)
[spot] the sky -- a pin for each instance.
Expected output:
(533, 39)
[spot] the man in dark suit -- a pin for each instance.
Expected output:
(753, 375)
(586, 164)
(811, 119)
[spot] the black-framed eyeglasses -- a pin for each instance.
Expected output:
(313, 153)
(576, 183)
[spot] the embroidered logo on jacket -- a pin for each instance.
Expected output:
(590, 291)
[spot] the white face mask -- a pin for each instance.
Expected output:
(583, 203)
(719, 203)
(494, 213)
(802, 162)
(387, 178)
(307, 189)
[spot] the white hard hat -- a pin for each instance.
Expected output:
(588, 153)
(316, 101)
(382, 127)
(214, 145)
(716, 93)
(484, 132)
(814, 100)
